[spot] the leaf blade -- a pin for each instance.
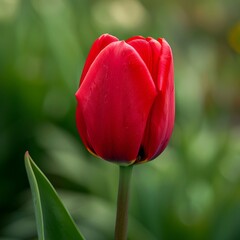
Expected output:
(53, 219)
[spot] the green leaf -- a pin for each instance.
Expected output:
(53, 220)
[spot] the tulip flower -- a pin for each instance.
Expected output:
(126, 107)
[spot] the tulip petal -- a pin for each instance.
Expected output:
(134, 38)
(165, 66)
(117, 93)
(161, 118)
(96, 48)
(149, 49)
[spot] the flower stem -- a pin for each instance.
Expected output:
(122, 203)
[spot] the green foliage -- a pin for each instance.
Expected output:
(53, 220)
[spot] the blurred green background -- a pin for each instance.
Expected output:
(192, 191)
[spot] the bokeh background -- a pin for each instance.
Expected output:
(192, 191)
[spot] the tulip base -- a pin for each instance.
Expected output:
(121, 226)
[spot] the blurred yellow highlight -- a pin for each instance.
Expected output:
(8, 9)
(234, 37)
(125, 14)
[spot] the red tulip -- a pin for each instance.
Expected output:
(126, 107)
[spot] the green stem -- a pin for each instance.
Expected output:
(122, 204)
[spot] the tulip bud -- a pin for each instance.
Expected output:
(125, 101)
